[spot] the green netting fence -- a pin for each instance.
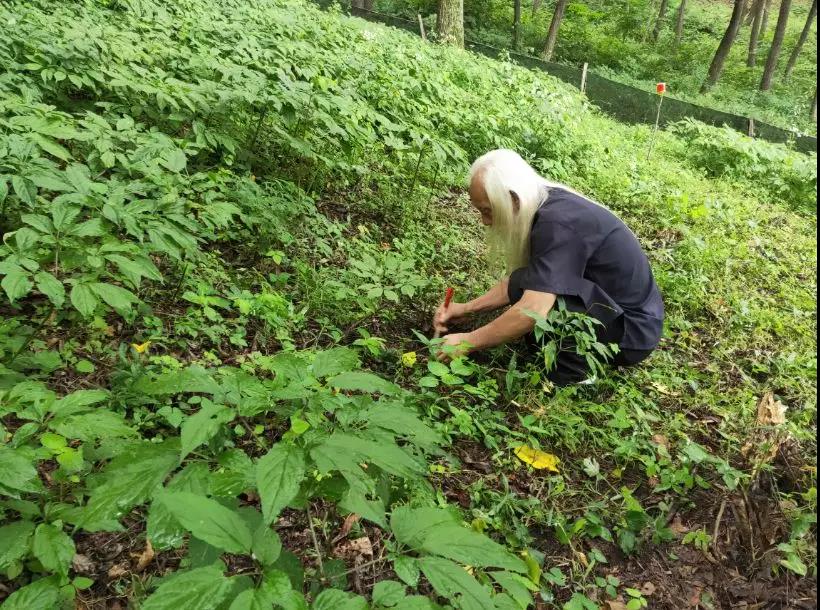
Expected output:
(624, 102)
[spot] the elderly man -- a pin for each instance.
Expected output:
(555, 243)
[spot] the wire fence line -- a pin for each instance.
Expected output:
(624, 102)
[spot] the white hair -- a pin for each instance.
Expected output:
(503, 172)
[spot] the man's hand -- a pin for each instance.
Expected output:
(453, 313)
(453, 346)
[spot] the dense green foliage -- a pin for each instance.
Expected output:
(221, 222)
(615, 39)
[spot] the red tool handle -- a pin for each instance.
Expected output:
(448, 296)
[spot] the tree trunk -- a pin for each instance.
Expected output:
(656, 33)
(777, 44)
(555, 25)
(516, 23)
(764, 24)
(804, 35)
(754, 36)
(450, 22)
(716, 68)
(679, 23)
(535, 6)
(814, 106)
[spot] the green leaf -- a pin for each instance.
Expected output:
(175, 160)
(51, 147)
(43, 594)
(130, 479)
(83, 299)
(362, 381)
(411, 526)
(452, 582)
(16, 284)
(407, 568)
(579, 601)
(209, 521)
(334, 361)
(388, 593)
(18, 472)
(341, 449)
(516, 586)
(101, 423)
(266, 545)
(333, 599)
(119, 299)
(77, 402)
(53, 548)
(203, 425)
(15, 540)
(198, 589)
(274, 588)
(467, 546)
(279, 474)
(437, 368)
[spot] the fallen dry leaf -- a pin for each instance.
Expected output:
(660, 439)
(349, 521)
(360, 547)
(82, 564)
(648, 589)
(615, 604)
(770, 412)
(537, 458)
(677, 526)
(146, 557)
(116, 571)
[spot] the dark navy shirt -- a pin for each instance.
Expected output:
(579, 248)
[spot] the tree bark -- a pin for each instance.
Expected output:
(754, 36)
(764, 24)
(555, 25)
(450, 22)
(718, 62)
(679, 23)
(656, 33)
(804, 35)
(777, 44)
(814, 106)
(516, 23)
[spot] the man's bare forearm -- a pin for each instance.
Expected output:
(495, 298)
(513, 323)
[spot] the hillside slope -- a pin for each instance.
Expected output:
(223, 221)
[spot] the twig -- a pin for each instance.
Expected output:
(364, 565)
(315, 542)
(719, 518)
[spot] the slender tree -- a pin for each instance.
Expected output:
(777, 44)
(516, 23)
(804, 35)
(814, 106)
(754, 36)
(718, 62)
(679, 23)
(555, 25)
(450, 22)
(656, 33)
(764, 24)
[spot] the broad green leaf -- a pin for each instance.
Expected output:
(77, 402)
(119, 299)
(130, 479)
(203, 425)
(43, 594)
(18, 473)
(50, 286)
(411, 526)
(334, 599)
(163, 529)
(354, 501)
(53, 548)
(16, 285)
(416, 602)
(437, 368)
(84, 299)
(266, 545)
(198, 589)
(579, 601)
(175, 160)
(469, 547)
(388, 456)
(334, 361)
(407, 568)
(274, 588)
(209, 521)
(15, 541)
(101, 423)
(388, 593)
(452, 582)
(51, 147)
(362, 381)
(279, 474)
(516, 586)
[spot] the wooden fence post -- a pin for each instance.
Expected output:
(421, 27)
(584, 78)
(751, 128)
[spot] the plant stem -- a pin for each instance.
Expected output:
(315, 542)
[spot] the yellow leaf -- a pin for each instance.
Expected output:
(408, 359)
(537, 459)
(140, 348)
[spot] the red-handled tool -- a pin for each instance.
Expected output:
(448, 296)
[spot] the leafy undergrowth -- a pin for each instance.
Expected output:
(223, 222)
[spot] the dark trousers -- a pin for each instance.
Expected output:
(571, 367)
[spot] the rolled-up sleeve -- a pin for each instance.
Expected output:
(558, 258)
